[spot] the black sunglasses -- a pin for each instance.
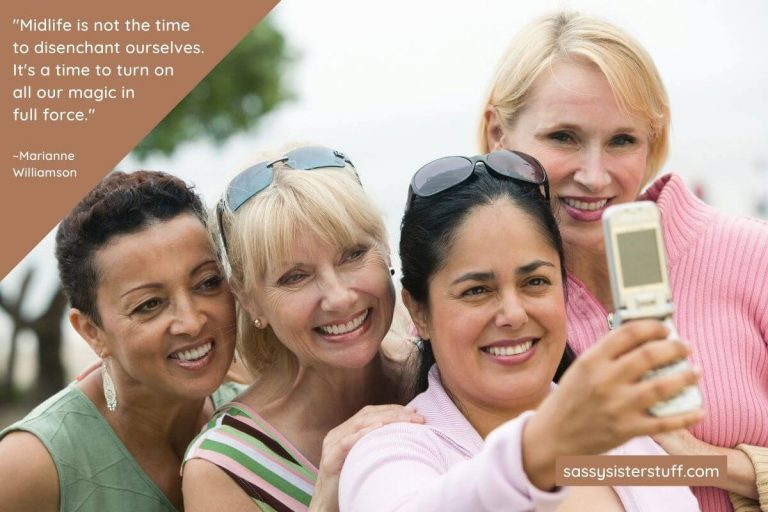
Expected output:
(444, 173)
(259, 176)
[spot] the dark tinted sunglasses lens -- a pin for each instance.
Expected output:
(313, 157)
(515, 166)
(440, 175)
(247, 184)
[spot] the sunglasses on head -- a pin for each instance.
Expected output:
(447, 172)
(259, 176)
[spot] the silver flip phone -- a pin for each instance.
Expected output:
(640, 286)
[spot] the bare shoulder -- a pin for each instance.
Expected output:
(25, 461)
(206, 487)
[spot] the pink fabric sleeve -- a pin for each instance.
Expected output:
(407, 467)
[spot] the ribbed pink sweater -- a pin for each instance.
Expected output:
(718, 266)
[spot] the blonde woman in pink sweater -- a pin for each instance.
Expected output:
(586, 100)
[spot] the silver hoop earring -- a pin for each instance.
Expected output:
(110, 394)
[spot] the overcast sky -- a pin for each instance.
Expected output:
(395, 84)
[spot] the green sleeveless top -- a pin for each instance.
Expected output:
(96, 471)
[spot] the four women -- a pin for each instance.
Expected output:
(308, 260)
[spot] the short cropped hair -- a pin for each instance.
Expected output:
(120, 204)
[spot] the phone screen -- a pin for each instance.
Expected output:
(639, 256)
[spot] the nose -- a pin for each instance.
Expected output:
(337, 294)
(511, 312)
(188, 318)
(593, 173)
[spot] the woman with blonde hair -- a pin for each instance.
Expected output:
(584, 98)
(309, 262)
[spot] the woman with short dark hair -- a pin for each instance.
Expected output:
(149, 298)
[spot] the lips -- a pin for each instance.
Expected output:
(589, 205)
(511, 352)
(194, 353)
(338, 329)
(584, 209)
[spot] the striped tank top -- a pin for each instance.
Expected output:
(257, 457)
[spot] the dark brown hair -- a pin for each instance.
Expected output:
(120, 204)
(428, 231)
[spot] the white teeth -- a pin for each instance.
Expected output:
(344, 328)
(583, 205)
(509, 351)
(193, 354)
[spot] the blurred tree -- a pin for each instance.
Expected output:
(243, 87)
(47, 328)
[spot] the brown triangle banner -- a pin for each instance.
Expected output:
(84, 82)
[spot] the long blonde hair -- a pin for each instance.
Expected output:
(629, 69)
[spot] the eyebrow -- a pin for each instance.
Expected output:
(571, 126)
(159, 285)
(474, 276)
(489, 276)
(532, 267)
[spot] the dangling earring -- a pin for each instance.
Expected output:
(391, 271)
(110, 395)
(257, 323)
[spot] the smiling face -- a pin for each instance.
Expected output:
(330, 306)
(496, 313)
(167, 317)
(595, 153)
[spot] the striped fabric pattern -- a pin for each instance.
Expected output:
(257, 457)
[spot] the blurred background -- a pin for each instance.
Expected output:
(395, 85)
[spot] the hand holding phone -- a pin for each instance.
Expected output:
(640, 286)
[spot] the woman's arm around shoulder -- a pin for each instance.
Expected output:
(28, 477)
